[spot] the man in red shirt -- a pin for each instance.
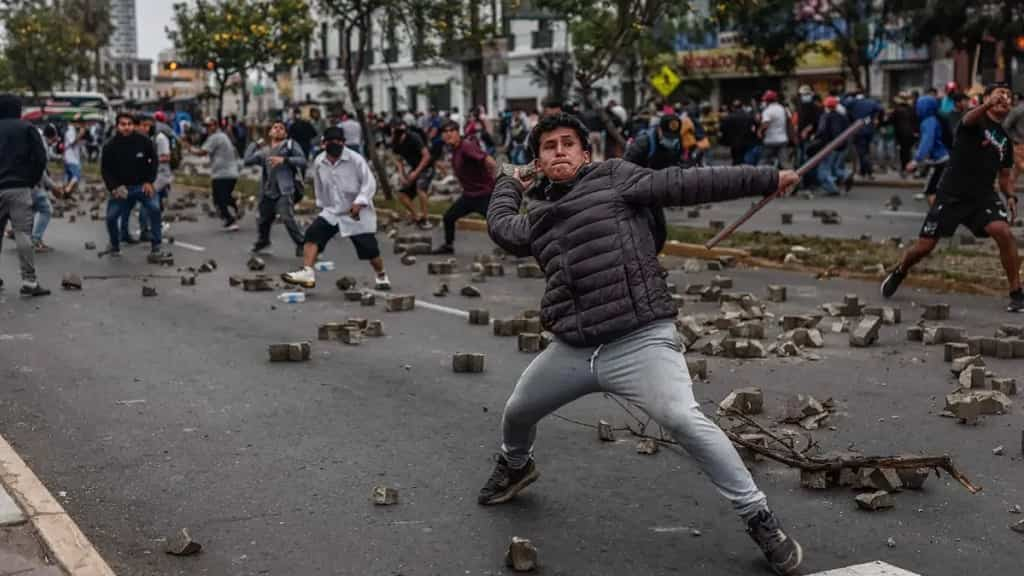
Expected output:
(475, 171)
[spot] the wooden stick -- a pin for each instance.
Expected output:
(801, 171)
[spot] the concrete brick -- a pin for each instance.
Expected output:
(400, 303)
(989, 346)
(727, 261)
(529, 342)
(359, 323)
(384, 496)
(935, 312)
(713, 265)
(698, 368)
(408, 259)
(186, 280)
(694, 289)
(479, 317)
(494, 269)
(1007, 386)
(1018, 348)
(913, 478)
(723, 282)
(467, 362)
(345, 283)
(256, 264)
(470, 291)
(814, 479)
(605, 432)
(531, 313)
(711, 294)
(873, 501)
(689, 329)
(351, 335)
(257, 284)
(972, 378)
(804, 321)
(72, 281)
(374, 329)
(647, 446)
(418, 249)
(148, 291)
(776, 293)
(440, 268)
(529, 270)
(986, 401)
(1004, 348)
(531, 325)
(508, 326)
(888, 314)
(330, 330)
(368, 299)
(974, 345)
(743, 400)
(866, 332)
(747, 330)
(354, 296)
(961, 363)
(290, 352)
(953, 350)
(521, 555)
(787, 218)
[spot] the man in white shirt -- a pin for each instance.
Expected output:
(774, 129)
(74, 142)
(344, 189)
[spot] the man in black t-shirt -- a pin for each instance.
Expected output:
(416, 168)
(982, 154)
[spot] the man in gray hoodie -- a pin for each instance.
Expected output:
(22, 162)
(282, 165)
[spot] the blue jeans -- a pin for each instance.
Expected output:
(118, 208)
(832, 169)
(752, 156)
(72, 172)
(161, 195)
(42, 208)
(862, 142)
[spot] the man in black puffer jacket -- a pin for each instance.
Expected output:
(610, 309)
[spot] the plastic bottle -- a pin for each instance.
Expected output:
(292, 297)
(324, 266)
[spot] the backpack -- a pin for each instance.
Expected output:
(298, 177)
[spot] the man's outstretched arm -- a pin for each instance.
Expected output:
(685, 187)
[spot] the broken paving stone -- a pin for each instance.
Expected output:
(521, 555)
(207, 267)
(479, 317)
(188, 280)
(692, 266)
(794, 322)
(801, 406)
(470, 291)
(787, 218)
(814, 479)
(256, 264)
(743, 400)
(148, 291)
(374, 329)
(935, 312)
(529, 343)
(368, 299)
(697, 367)
(747, 330)
(953, 350)
(647, 446)
(440, 268)
(713, 265)
(913, 478)
(998, 451)
(529, 270)
(257, 284)
(866, 332)
(467, 362)
(71, 281)
(345, 283)
(494, 269)
(290, 352)
(1018, 527)
(711, 294)
(400, 303)
(509, 326)
(90, 245)
(873, 501)
(689, 329)
(787, 349)
(408, 259)
(723, 282)
(442, 290)
(776, 293)
(988, 346)
(182, 544)
(964, 362)
(384, 496)
(888, 314)
(915, 334)
(985, 402)
(886, 479)
(943, 334)
(972, 378)
(605, 432)
(1007, 386)
(1004, 348)
(354, 295)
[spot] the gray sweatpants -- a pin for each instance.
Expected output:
(16, 206)
(647, 369)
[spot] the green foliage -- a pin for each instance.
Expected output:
(92, 17)
(964, 22)
(41, 47)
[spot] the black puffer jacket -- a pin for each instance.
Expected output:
(595, 245)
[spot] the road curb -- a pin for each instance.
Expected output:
(64, 540)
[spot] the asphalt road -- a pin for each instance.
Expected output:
(148, 415)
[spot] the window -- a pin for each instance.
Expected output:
(392, 99)
(323, 39)
(410, 97)
(544, 36)
(144, 72)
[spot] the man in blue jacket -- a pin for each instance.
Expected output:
(931, 149)
(862, 107)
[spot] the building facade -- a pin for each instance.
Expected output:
(124, 42)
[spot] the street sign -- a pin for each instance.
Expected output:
(665, 81)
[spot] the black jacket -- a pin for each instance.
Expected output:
(129, 161)
(22, 155)
(593, 241)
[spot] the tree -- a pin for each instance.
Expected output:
(93, 19)
(778, 33)
(965, 23)
(554, 72)
(42, 47)
(231, 38)
(603, 32)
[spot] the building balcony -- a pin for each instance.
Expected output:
(543, 39)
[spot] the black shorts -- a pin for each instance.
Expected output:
(947, 215)
(422, 183)
(321, 231)
(935, 179)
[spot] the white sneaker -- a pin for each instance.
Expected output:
(304, 277)
(382, 283)
(232, 228)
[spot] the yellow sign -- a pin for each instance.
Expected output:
(728, 62)
(665, 81)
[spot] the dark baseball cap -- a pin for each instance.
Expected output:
(670, 125)
(334, 133)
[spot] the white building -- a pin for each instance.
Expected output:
(124, 42)
(467, 76)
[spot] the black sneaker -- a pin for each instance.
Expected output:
(1016, 301)
(129, 239)
(783, 553)
(892, 282)
(34, 290)
(443, 249)
(260, 247)
(424, 224)
(506, 482)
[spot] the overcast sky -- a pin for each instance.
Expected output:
(153, 17)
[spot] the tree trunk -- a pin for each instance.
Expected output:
(245, 94)
(368, 140)
(587, 91)
(221, 89)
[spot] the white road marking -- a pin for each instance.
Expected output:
(903, 214)
(9, 337)
(876, 568)
(188, 246)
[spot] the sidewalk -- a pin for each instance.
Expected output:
(21, 550)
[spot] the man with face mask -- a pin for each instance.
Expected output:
(982, 155)
(344, 189)
(610, 310)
